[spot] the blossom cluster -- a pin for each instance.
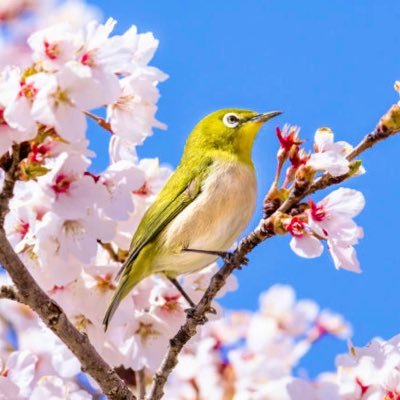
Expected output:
(243, 356)
(69, 225)
(19, 18)
(253, 356)
(329, 220)
(35, 364)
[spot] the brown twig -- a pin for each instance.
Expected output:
(100, 121)
(30, 293)
(389, 125)
(109, 249)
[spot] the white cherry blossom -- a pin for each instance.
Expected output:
(332, 218)
(120, 180)
(69, 191)
(146, 341)
(19, 371)
(55, 106)
(54, 46)
(303, 241)
(18, 99)
(54, 388)
(132, 116)
(11, 132)
(329, 156)
(293, 316)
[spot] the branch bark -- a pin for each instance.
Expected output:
(10, 293)
(30, 293)
(388, 125)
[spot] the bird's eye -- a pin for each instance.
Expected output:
(231, 120)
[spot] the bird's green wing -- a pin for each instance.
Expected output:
(177, 194)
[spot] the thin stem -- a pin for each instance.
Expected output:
(140, 378)
(111, 252)
(100, 121)
(278, 172)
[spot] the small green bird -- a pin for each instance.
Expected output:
(203, 207)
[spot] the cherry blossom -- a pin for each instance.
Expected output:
(11, 132)
(18, 374)
(291, 315)
(332, 218)
(69, 191)
(329, 156)
(120, 180)
(60, 100)
(303, 241)
(132, 116)
(121, 149)
(54, 46)
(72, 237)
(20, 227)
(18, 104)
(52, 387)
(146, 341)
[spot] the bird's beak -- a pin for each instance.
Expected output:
(264, 117)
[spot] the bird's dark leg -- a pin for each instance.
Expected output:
(189, 311)
(225, 255)
(182, 292)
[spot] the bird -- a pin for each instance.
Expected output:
(202, 209)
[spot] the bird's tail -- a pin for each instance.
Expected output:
(128, 281)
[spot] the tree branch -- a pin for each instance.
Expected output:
(30, 293)
(10, 293)
(388, 125)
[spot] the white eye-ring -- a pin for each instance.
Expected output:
(231, 120)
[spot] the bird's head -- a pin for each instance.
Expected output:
(230, 130)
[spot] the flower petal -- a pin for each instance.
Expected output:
(306, 246)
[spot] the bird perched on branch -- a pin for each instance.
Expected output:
(202, 209)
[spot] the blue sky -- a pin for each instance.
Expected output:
(324, 64)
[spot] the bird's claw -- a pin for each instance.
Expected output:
(200, 320)
(229, 258)
(190, 312)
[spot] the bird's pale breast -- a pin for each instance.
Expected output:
(213, 221)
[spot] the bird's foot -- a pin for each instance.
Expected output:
(190, 312)
(200, 320)
(229, 258)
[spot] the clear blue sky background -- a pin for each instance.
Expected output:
(325, 63)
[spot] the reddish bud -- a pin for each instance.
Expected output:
(317, 212)
(288, 137)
